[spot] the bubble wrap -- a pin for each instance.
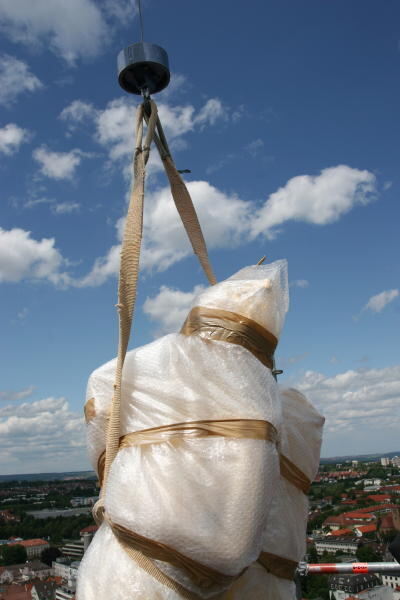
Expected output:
(208, 498)
(285, 534)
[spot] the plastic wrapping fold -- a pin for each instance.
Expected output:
(285, 535)
(208, 498)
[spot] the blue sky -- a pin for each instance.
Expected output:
(287, 114)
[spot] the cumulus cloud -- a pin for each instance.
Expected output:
(320, 199)
(12, 396)
(170, 307)
(378, 302)
(57, 165)
(114, 126)
(225, 220)
(44, 435)
(11, 138)
(73, 29)
(229, 221)
(78, 111)
(359, 405)
(15, 79)
(22, 257)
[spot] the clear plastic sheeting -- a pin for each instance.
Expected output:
(208, 498)
(285, 535)
(106, 571)
(258, 292)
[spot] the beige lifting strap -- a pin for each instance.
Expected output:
(130, 254)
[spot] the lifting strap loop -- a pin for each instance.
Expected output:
(130, 255)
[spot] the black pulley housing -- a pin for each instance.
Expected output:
(143, 66)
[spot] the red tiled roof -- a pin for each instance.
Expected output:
(342, 532)
(16, 592)
(334, 520)
(30, 543)
(366, 528)
(357, 514)
(379, 497)
(377, 507)
(89, 529)
(387, 522)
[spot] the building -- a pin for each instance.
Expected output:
(73, 550)
(16, 591)
(332, 544)
(76, 549)
(342, 532)
(385, 462)
(34, 548)
(396, 461)
(392, 580)
(24, 572)
(65, 568)
(354, 587)
(84, 501)
(363, 529)
(66, 591)
(380, 498)
(45, 590)
(8, 516)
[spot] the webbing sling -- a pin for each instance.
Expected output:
(130, 255)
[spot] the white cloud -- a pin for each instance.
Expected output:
(211, 112)
(36, 201)
(169, 308)
(22, 257)
(228, 221)
(380, 301)
(11, 138)
(320, 199)
(71, 29)
(41, 436)
(224, 219)
(114, 126)
(57, 165)
(11, 396)
(359, 406)
(64, 208)
(15, 79)
(103, 268)
(254, 148)
(301, 283)
(78, 111)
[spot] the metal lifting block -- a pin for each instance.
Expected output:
(143, 67)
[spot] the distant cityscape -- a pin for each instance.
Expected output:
(46, 527)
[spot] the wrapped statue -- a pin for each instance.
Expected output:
(196, 493)
(284, 540)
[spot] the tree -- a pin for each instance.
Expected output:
(49, 555)
(366, 554)
(313, 554)
(13, 555)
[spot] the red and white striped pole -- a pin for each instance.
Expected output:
(354, 568)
